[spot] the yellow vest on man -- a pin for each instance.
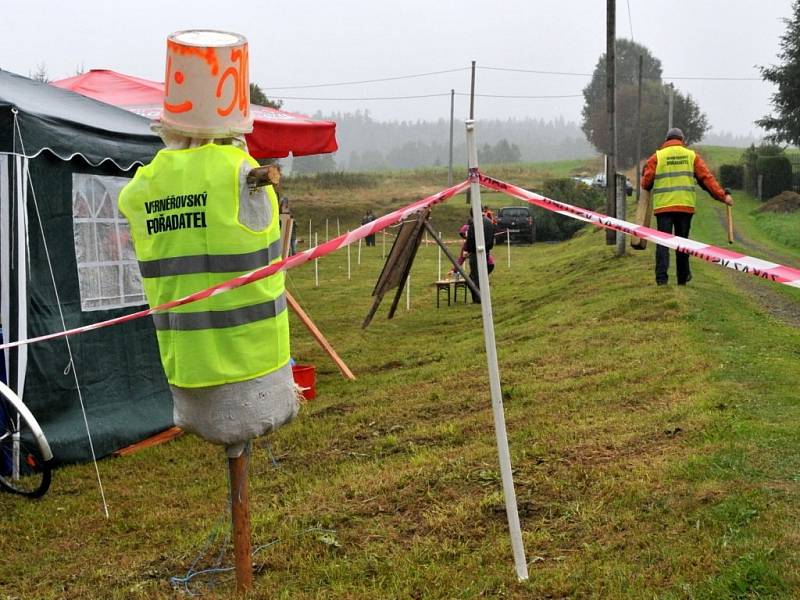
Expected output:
(183, 214)
(674, 181)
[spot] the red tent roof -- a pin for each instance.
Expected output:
(275, 134)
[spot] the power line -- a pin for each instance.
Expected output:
(370, 98)
(545, 97)
(537, 72)
(515, 96)
(630, 19)
(318, 85)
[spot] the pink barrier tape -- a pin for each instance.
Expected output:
(725, 258)
(288, 263)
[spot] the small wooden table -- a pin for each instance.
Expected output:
(444, 285)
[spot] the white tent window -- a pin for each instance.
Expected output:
(108, 273)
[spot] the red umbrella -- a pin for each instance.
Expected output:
(275, 134)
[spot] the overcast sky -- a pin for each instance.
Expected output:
(303, 43)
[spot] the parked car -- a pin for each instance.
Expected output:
(599, 181)
(518, 222)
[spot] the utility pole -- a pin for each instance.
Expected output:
(450, 162)
(671, 93)
(611, 165)
(639, 134)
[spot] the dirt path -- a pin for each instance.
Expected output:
(778, 305)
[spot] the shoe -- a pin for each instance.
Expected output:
(688, 279)
(661, 283)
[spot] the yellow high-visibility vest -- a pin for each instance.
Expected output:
(183, 214)
(674, 183)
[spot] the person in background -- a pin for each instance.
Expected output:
(369, 218)
(470, 246)
(669, 176)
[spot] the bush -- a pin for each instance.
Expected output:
(551, 226)
(732, 176)
(777, 174)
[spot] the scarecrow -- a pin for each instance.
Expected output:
(197, 221)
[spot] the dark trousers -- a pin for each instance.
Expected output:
(370, 240)
(473, 274)
(679, 224)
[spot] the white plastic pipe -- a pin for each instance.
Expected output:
(359, 251)
(327, 237)
(408, 292)
(348, 261)
(494, 371)
(338, 231)
(508, 245)
(316, 262)
(383, 251)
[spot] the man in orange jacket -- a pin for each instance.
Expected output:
(669, 176)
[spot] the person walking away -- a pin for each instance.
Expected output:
(469, 246)
(369, 218)
(669, 176)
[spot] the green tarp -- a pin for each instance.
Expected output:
(118, 369)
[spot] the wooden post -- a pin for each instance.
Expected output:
(619, 186)
(450, 161)
(639, 134)
(611, 167)
(671, 103)
(240, 514)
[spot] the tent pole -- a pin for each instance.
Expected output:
(491, 357)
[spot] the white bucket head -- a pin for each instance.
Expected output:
(207, 84)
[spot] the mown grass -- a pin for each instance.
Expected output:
(653, 433)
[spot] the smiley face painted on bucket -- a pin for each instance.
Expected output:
(176, 76)
(207, 84)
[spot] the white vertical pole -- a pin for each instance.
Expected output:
(316, 262)
(309, 233)
(383, 251)
(494, 372)
(408, 292)
(348, 261)
(326, 230)
(359, 251)
(338, 231)
(508, 245)
(439, 276)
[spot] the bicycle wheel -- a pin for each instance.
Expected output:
(25, 456)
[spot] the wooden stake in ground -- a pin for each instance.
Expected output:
(240, 514)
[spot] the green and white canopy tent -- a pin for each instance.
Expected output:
(63, 251)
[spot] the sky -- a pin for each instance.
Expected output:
(298, 43)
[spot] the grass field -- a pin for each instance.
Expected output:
(654, 434)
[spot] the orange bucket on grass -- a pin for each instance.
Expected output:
(306, 377)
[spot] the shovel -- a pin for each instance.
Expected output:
(644, 214)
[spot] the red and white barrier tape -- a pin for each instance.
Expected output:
(725, 258)
(287, 263)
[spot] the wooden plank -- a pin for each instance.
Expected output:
(324, 344)
(155, 440)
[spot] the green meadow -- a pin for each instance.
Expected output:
(654, 434)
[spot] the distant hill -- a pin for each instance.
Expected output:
(369, 145)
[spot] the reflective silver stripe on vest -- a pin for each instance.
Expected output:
(677, 188)
(210, 263)
(675, 174)
(219, 319)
